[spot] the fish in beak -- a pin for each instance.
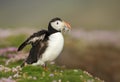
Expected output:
(66, 27)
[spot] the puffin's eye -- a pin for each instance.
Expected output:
(57, 23)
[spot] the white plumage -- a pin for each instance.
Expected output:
(55, 46)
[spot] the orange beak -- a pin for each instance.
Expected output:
(67, 25)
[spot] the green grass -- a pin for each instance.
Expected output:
(44, 76)
(14, 41)
(2, 60)
(7, 74)
(54, 73)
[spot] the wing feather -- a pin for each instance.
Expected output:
(38, 36)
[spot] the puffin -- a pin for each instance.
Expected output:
(46, 45)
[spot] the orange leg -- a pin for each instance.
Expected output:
(45, 67)
(24, 64)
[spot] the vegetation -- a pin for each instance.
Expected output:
(53, 74)
(12, 71)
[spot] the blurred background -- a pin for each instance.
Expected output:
(93, 43)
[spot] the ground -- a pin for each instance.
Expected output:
(12, 72)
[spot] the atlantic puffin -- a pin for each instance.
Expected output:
(46, 44)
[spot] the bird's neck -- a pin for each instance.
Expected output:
(52, 30)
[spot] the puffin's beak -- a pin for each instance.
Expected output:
(67, 26)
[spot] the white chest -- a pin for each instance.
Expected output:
(55, 46)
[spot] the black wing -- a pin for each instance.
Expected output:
(38, 48)
(38, 36)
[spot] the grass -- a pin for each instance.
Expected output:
(14, 41)
(37, 73)
(53, 74)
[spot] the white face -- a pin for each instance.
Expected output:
(58, 25)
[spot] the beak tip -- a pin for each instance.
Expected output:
(67, 25)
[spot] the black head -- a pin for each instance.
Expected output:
(55, 19)
(57, 25)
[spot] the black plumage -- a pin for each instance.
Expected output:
(38, 46)
(40, 35)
